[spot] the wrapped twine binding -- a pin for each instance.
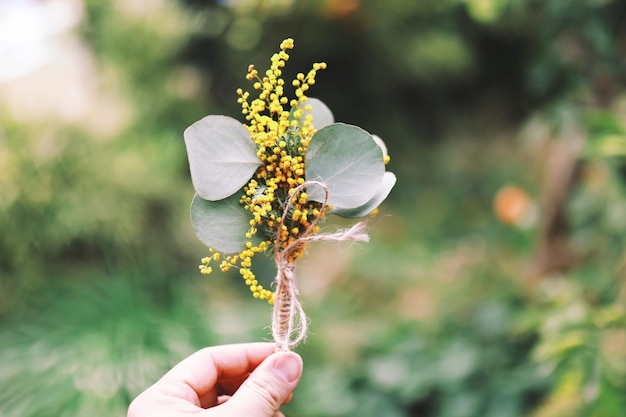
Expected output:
(289, 322)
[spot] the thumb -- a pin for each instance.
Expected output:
(267, 387)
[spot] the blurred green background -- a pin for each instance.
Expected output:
(493, 284)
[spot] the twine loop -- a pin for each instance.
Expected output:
(289, 322)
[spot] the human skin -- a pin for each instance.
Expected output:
(224, 381)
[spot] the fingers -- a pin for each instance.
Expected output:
(245, 379)
(203, 370)
(196, 381)
(268, 387)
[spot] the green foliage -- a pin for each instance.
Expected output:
(581, 344)
(322, 115)
(348, 161)
(221, 225)
(222, 158)
(437, 316)
(97, 346)
(385, 187)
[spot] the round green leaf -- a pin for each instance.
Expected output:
(322, 116)
(222, 156)
(221, 225)
(380, 143)
(389, 180)
(348, 161)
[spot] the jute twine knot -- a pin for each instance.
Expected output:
(289, 322)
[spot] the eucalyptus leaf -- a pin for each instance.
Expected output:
(389, 180)
(348, 161)
(322, 116)
(381, 143)
(221, 225)
(222, 156)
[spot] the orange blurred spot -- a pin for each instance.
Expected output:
(512, 205)
(342, 8)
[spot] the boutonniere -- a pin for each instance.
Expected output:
(268, 185)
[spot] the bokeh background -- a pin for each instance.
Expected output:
(493, 284)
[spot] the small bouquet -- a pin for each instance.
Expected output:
(268, 185)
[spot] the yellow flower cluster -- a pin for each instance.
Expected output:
(281, 130)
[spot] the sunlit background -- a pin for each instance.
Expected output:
(493, 284)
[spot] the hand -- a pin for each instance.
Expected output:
(224, 381)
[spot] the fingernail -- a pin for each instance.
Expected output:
(289, 365)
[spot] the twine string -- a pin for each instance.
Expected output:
(289, 322)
